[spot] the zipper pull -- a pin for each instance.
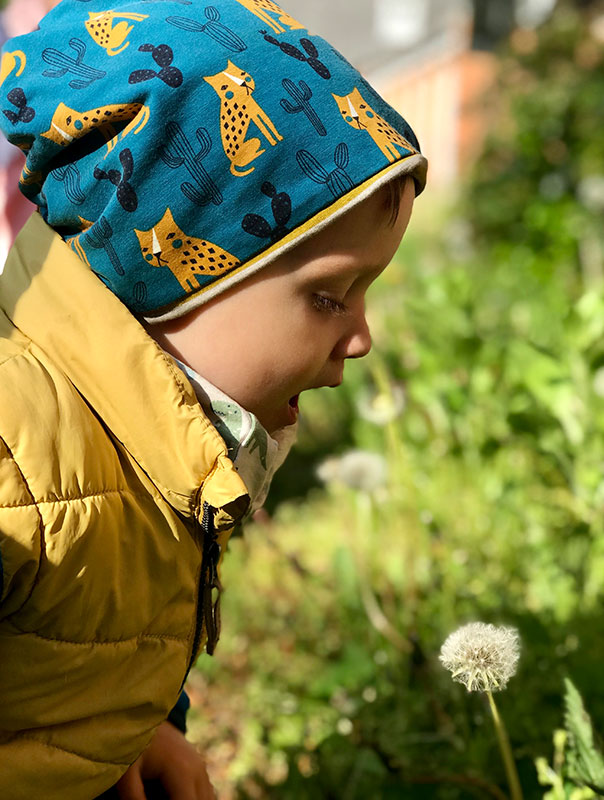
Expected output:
(210, 588)
(208, 597)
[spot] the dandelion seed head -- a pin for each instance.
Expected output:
(382, 407)
(345, 727)
(597, 28)
(357, 469)
(598, 382)
(370, 694)
(590, 192)
(481, 656)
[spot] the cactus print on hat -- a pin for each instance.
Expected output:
(178, 148)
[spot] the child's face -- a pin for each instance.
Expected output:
(292, 326)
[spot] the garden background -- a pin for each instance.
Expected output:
(457, 475)
(477, 493)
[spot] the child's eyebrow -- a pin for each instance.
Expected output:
(337, 273)
(346, 277)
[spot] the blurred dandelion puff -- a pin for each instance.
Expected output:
(459, 239)
(383, 407)
(481, 656)
(357, 469)
(597, 28)
(552, 186)
(598, 382)
(590, 192)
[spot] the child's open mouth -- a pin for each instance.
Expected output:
(293, 408)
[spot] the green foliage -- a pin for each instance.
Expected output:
(585, 761)
(326, 682)
(528, 193)
(578, 769)
(561, 787)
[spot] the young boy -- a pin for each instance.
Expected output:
(217, 189)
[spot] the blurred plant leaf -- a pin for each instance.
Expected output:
(585, 761)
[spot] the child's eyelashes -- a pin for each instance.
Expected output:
(323, 303)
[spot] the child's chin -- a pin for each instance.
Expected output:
(280, 417)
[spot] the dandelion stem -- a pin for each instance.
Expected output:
(506, 750)
(373, 610)
(378, 619)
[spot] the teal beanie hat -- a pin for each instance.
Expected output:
(179, 146)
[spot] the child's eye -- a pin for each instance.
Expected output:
(323, 303)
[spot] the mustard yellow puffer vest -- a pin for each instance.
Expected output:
(107, 463)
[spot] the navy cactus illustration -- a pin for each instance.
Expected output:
(281, 206)
(24, 113)
(178, 152)
(70, 176)
(65, 64)
(301, 94)
(337, 180)
(163, 56)
(125, 192)
(310, 55)
(99, 237)
(139, 294)
(212, 28)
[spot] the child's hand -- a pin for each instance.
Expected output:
(172, 761)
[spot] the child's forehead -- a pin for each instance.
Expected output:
(359, 246)
(358, 230)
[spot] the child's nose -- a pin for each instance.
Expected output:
(357, 342)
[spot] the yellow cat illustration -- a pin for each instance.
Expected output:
(25, 144)
(75, 243)
(238, 108)
(9, 62)
(68, 124)
(166, 245)
(29, 178)
(358, 114)
(264, 8)
(110, 35)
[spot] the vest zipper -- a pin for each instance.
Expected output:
(208, 607)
